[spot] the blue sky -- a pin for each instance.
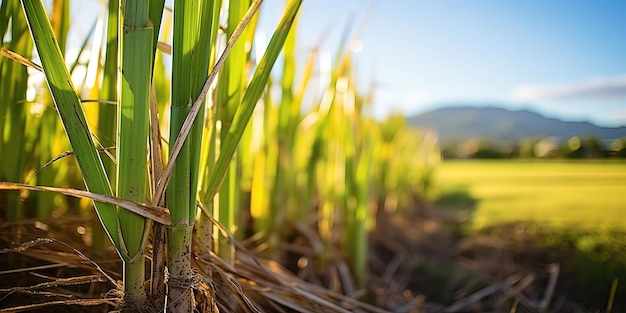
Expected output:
(562, 58)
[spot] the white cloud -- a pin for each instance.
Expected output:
(603, 87)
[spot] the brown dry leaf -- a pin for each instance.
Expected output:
(20, 59)
(157, 214)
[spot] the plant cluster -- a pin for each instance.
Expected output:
(151, 149)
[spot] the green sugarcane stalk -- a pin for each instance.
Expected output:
(13, 108)
(284, 200)
(264, 171)
(230, 88)
(181, 197)
(204, 234)
(134, 76)
(303, 195)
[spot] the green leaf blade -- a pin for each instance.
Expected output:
(251, 96)
(71, 113)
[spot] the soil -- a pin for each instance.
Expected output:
(419, 261)
(506, 268)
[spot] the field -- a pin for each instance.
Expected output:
(572, 211)
(205, 190)
(582, 195)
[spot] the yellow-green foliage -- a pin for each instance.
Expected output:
(323, 163)
(327, 164)
(13, 108)
(31, 135)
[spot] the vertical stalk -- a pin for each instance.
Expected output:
(288, 117)
(159, 90)
(205, 229)
(231, 84)
(179, 194)
(358, 215)
(13, 108)
(134, 76)
(190, 66)
(264, 168)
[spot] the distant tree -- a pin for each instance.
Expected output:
(594, 146)
(587, 147)
(524, 147)
(570, 148)
(488, 150)
(487, 153)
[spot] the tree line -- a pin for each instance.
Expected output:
(575, 147)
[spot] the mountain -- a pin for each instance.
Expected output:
(501, 125)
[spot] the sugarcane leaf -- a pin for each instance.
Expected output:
(68, 106)
(251, 96)
(195, 108)
(19, 58)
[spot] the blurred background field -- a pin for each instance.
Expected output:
(573, 210)
(583, 195)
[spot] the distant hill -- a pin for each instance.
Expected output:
(501, 125)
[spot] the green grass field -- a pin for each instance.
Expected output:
(576, 207)
(585, 195)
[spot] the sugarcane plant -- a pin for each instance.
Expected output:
(136, 182)
(317, 165)
(320, 168)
